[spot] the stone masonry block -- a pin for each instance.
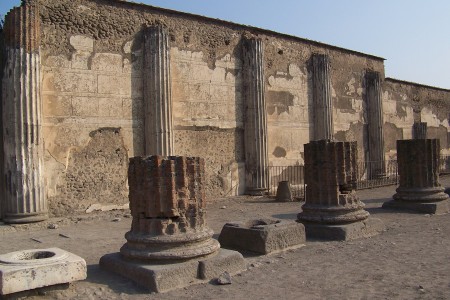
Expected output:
(163, 277)
(107, 62)
(117, 85)
(36, 268)
(262, 236)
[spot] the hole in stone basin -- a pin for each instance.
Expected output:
(261, 222)
(34, 255)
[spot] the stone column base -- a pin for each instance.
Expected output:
(25, 218)
(163, 277)
(344, 232)
(437, 208)
(262, 236)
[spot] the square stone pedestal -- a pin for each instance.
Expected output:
(36, 268)
(438, 208)
(263, 236)
(344, 232)
(165, 277)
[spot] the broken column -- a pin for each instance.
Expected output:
(418, 168)
(323, 110)
(169, 244)
(332, 209)
(255, 124)
(157, 92)
(23, 151)
(419, 130)
(377, 168)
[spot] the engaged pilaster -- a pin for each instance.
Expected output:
(157, 93)
(375, 125)
(323, 111)
(418, 169)
(24, 199)
(332, 210)
(256, 153)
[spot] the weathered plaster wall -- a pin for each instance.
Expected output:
(92, 94)
(208, 117)
(289, 97)
(405, 103)
(92, 58)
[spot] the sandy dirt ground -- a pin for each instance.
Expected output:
(410, 260)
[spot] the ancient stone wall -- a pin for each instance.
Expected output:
(93, 94)
(405, 103)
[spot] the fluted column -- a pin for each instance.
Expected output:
(24, 199)
(375, 125)
(322, 105)
(330, 177)
(256, 153)
(332, 209)
(167, 202)
(157, 93)
(418, 169)
(419, 130)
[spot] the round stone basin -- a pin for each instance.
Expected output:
(33, 256)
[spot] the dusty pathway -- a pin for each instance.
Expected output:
(410, 260)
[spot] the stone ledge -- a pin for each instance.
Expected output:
(262, 236)
(438, 208)
(37, 268)
(165, 277)
(344, 232)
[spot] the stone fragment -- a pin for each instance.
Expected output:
(36, 268)
(262, 236)
(332, 210)
(418, 168)
(53, 226)
(284, 192)
(224, 278)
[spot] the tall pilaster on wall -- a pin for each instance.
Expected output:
(157, 93)
(255, 127)
(23, 149)
(322, 105)
(375, 125)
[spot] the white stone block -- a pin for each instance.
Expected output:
(82, 43)
(36, 268)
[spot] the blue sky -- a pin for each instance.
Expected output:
(413, 35)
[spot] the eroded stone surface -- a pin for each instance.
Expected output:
(332, 210)
(262, 236)
(418, 167)
(168, 204)
(169, 245)
(35, 268)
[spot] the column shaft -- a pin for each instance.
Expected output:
(22, 118)
(419, 130)
(157, 93)
(322, 105)
(256, 156)
(375, 125)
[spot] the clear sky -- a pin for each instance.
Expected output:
(412, 35)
